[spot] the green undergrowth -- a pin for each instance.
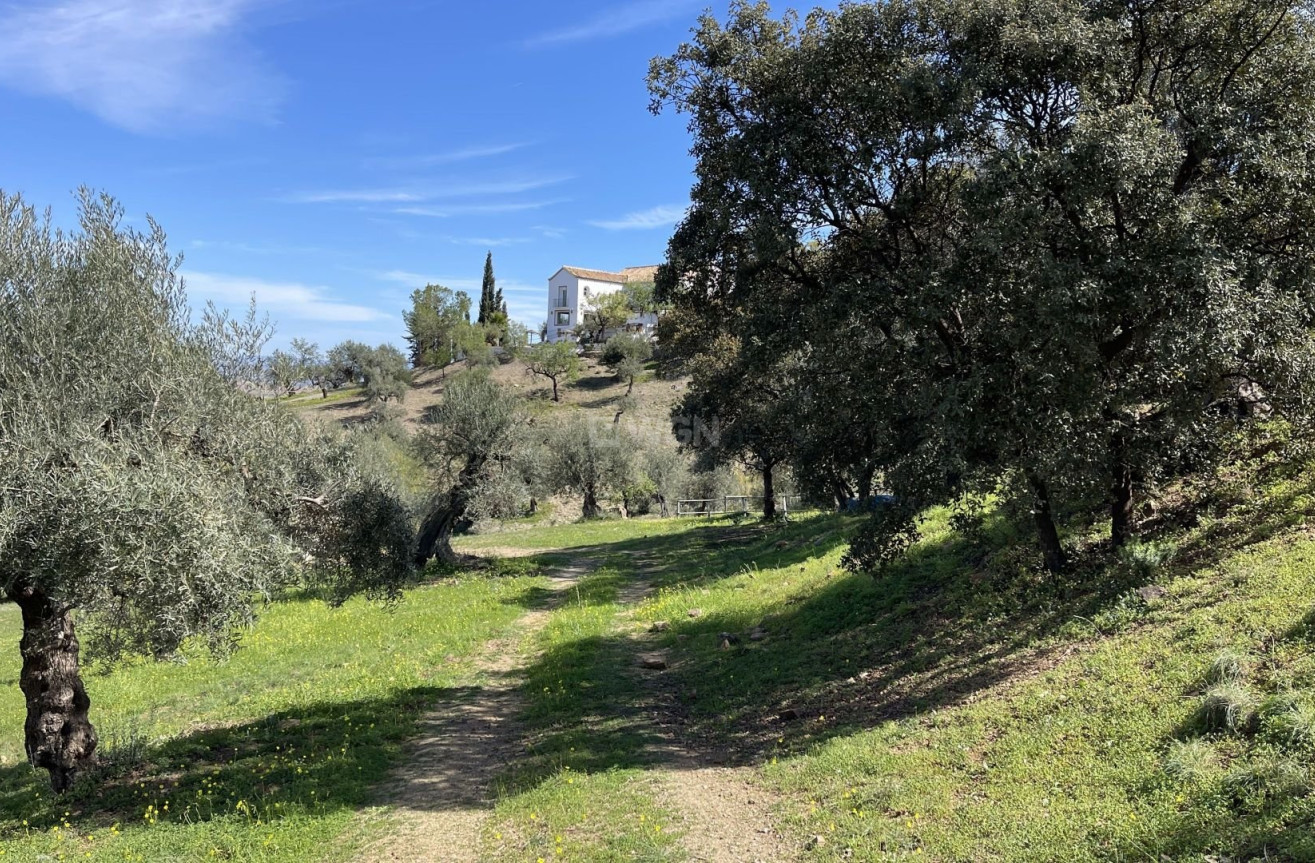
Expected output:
(580, 792)
(260, 755)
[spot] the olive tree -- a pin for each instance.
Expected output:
(604, 313)
(556, 361)
(625, 354)
(144, 499)
(470, 438)
(385, 375)
(589, 459)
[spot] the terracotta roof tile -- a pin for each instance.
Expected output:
(629, 274)
(596, 275)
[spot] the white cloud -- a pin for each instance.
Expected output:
(419, 280)
(487, 242)
(432, 159)
(144, 65)
(260, 248)
(283, 300)
(614, 22)
(444, 212)
(421, 193)
(356, 196)
(658, 217)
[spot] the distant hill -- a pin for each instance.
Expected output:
(596, 393)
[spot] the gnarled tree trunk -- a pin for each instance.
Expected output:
(435, 539)
(58, 735)
(591, 508)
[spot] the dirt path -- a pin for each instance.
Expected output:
(724, 816)
(444, 789)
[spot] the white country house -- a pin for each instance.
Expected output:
(572, 289)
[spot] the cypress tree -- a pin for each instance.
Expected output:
(489, 298)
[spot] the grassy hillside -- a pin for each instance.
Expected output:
(962, 706)
(595, 393)
(953, 711)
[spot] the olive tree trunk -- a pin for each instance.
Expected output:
(435, 539)
(58, 735)
(591, 508)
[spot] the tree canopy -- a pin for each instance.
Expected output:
(556, 361)
(143, 495)
(1028, 248)
(433, 325)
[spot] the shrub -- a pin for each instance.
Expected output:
(1145, 559)
(1190, 760)
(1227, 707)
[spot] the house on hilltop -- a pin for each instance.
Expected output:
(572, 292)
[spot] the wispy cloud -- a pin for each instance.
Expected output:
(417, 280)
(614, 22)
(658, 217)
(421, 193)
(486, 242)
(435, 159)
(356, 196)
(287, 300)
(444, 212)
(259, 248)
(144, 65)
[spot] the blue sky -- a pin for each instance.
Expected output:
(333, 155)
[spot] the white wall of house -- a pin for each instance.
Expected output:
(563, 305)
(564, 317)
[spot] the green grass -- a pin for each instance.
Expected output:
(580, 792)
(964, 705)
(263, 755)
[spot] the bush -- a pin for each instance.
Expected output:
(1145, 559)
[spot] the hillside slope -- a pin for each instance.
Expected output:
(596, 393)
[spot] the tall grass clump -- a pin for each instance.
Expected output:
(1288, 721)
(1230, 666)
(1227, 706)
(1265, 780)
(1190, 760)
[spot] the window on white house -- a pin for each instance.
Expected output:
(562, 298)
(563, 319)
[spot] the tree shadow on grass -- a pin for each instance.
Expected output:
(932, 632)
(325, 756)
